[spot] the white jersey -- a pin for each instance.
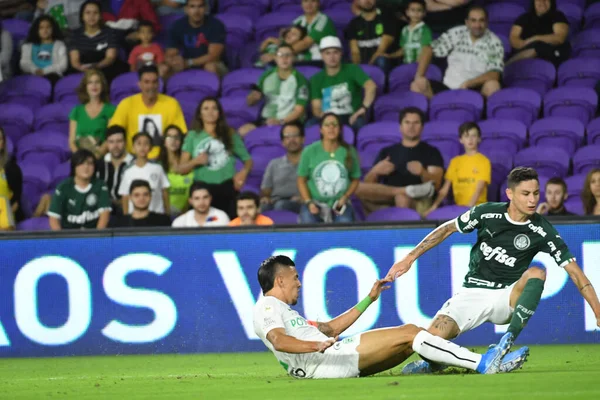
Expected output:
(271, 313)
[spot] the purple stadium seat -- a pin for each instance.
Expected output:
(238, 112)
(287, 6)
(456, 105)
(394, 214)
(263, 140)
(65, 88)
(332, 4)
(341, 17)
(446, 213)
(444, 136)
(260, 159)
(505, 43)
(34, 224)
(52, 117)
(193, 85)
(574, 14)
(239, 27)
(548, 161)
(502, 164)
(541, 178)
(282, 217)
(29, 90)
(575, 205)
(10, 147)
(249, 55)
(401, 77)
(388, 107)
(270, 24)
(586, 44)
(313, 134)
(592, 17)
(252, 8)
(575, 102)
(307, 70)
(533, 73)
(593, 131)
(36, 181)
(502, 16)
(580, 72)
(377, 75)
(585, 159)
(16, 120)
(188, 108)
(505, 134)
(563, 132)
(515, 103)
(18, 29)
(373, 137)
(239, 83)
(575, 184)
(60, 173)
(44, 142)
(126, 85)
(367, 159)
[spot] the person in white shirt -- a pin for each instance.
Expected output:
(147, 171)
(475, 58)
(308, 349)
(201, 214)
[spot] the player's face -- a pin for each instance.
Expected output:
(116, 145)
(332, 57)
(94, 86)
(411, 127)
(470, 140)
(525, 196)
(290, 284)
(477, 23)
(195, 10)
(292, 141)
(284, 58)
(85, 170)
(595, 184)
(149, 84)
(45, 30)
(142, 146)
(415, 12)
(91, 15)
(541, 6)
(310, 6)
(247, 211)
(140, 197)
(145, 34)
(330, 128)
(209, 112)
(555, 196)
(200, 201)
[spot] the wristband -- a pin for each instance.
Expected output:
(364, 304)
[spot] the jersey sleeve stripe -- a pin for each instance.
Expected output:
(54, 215)
(566, 262)
(457, 225)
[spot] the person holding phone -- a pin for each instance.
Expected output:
(328, 175)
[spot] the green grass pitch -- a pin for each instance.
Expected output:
(552, 372)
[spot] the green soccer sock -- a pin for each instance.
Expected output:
(526, 305)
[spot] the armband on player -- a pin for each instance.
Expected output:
(364, 304)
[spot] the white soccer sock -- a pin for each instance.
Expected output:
(439, 350)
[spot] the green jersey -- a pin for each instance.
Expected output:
(282, 95)
(221, 163)
(79, 208)
(320, 27)
(505, 248)
(412, 40)
(94, 127)
(341, 93)
(179, 191)
(327, 173)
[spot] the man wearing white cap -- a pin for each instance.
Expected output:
(338, 87)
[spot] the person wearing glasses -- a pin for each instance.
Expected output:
(284, 89)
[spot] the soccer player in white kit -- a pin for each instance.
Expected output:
(308, 349)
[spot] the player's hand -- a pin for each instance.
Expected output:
(384, 167)
(398, 269)
(378, 287)
(414, 167)
(324, 345)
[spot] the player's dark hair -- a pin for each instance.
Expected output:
(411, 110)
(146, 23)
(199, 186)
(115, 130)
(139, 135)
(295, 124)
(247, 195)
(557, 181)
(136, 183)
(521, 174)
(466, 127)
(147, 69)
(80, 157)
(477, 8)
(268, 270)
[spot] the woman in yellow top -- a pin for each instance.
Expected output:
(11, 180)
(170, 158)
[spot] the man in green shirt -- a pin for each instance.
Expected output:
(285, 91)
(81, 201)
(317, 25)
(338, 87)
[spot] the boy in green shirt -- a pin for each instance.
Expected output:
(415, 35)
(317, 25)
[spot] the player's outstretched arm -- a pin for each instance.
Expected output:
(339, 324)
(585, 288)
(436, 237)
(289, 344)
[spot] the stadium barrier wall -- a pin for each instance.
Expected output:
(165, 292)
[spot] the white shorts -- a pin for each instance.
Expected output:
(471, 307)
(339, 361)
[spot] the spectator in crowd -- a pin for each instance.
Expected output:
(371, 34)
(145, 170)
(591, 193)
(170, 158)
(130, 13)
(88, 121)
(19, 9)
(405, 174)
(209, 150)
(278, 190)
(328, 175)
(468, 175)
(7, 221)
(285, 91)
(197, 41)
(112, 166)
(6, 52)
(317, 25)
(446, 14)
(11, 179)
(556, 194)
(414, 36)
(140, 195)
(95, 45)
(475, 58)
(148, 108)
(542, 32)
(65, 12)
(248, 211)
(170, 7)
(147, 52)
(290, 36)
(201, 213)
(44, 53)
(338, 88)
(81, 201)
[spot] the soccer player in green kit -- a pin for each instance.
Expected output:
(500, 287)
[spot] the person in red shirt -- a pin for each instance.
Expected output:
(147, 53)
(248, 211)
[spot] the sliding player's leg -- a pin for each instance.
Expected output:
(525, 298)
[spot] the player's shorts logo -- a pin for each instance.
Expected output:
(521, 242)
